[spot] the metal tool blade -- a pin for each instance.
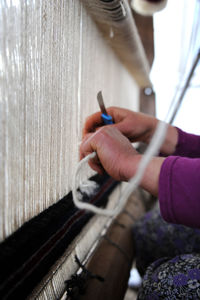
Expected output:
(101, 103)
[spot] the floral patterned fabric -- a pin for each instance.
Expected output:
(168, 258)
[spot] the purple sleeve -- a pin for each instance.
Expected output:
(179, 190)
(188, 144)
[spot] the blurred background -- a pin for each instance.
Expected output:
(177, 42)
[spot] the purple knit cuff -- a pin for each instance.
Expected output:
(188, 144)
(179, 191)
(165, 189)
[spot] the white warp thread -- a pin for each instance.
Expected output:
(53, 60)
(152, 150)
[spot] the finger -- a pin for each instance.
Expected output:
(92, 122)
(95, 164)
(86, 147)
(118, 114)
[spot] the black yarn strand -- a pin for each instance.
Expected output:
(77, 284)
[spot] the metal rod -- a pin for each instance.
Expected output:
(185, 87)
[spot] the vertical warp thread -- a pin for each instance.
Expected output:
(40, 110)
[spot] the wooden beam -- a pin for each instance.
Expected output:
(114, 256)
(145, 28)
(147, 102)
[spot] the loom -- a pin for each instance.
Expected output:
(54, 58)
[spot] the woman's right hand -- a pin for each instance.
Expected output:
(135, 126)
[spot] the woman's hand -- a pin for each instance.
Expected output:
(135, 126)
(118, 158)
(115, 154)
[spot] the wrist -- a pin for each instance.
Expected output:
(132, 166)
(150, 178)
(151, 126)
(171, 140)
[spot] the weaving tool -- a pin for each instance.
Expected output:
(107, 119)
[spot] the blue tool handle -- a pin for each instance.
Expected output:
(107, 119)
